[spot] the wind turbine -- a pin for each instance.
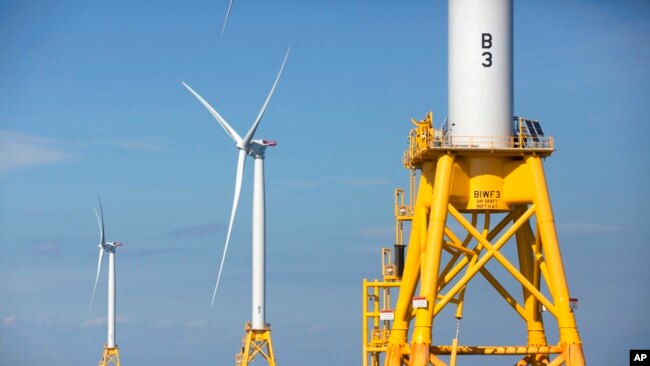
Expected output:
(258, 330)
(110, 355)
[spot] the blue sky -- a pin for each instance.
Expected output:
(92, 105)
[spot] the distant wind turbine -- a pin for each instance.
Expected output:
(110, 354)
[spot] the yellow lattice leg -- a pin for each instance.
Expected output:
(534, 322)
(257, 343)
(421, 339)
(397, 342)
(569, 336)
(111, 356)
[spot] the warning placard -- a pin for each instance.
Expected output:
(420, 302)
(387, 315)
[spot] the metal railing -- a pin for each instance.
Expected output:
(423, 139)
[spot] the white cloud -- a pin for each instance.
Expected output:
(358, 182)
(589, 228)
(47, 248)
(146, 143)
(95, 322)
(101, 320)
(42, 319)
(378, 232)
(197, 324)
(19, 149)
(317, 328)
(163, 323)
(333, 180)
(198, 230)
(8, 321)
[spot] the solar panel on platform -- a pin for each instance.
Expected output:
(538, 128)
(531, 128)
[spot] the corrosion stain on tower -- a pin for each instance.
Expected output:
(483, 171)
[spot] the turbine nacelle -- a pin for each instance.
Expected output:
(110, 246)
(256, 142)
(258, 147)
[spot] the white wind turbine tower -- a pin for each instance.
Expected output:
(258, 332)
(110, 354)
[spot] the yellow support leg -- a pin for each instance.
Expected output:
(256, 343)
(397, 342)
(431, 263)
(110, 356)
(535, 325)
(566, 321)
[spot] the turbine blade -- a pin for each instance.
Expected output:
(100, 222)
(240, 173)
(99, 267)
(251, 132)
(229, 130)
(227, 16)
